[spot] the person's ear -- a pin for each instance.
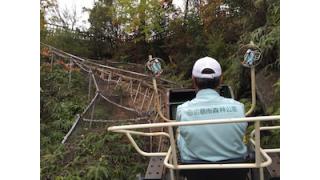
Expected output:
(221, 79)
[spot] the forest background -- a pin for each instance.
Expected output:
(129, 31)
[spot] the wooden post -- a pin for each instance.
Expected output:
(109, 79)
(144, 97)
(102, 75)
(117, 83)
(137, 91)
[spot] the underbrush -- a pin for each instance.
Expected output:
(92, 153)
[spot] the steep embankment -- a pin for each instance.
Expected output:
(91, 153)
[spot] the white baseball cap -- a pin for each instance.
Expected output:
(206, 63)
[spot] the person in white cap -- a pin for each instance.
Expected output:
(211, 143)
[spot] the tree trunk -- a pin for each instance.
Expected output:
(186, 10)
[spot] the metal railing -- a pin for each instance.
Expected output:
(274, 150)
(171, 161)
(134, 84)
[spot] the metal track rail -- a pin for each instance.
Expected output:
(106, 81)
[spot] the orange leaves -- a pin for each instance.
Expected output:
(44, 52)
(67, 66)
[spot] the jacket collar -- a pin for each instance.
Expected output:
(206, 92)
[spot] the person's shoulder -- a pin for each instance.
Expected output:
(232, 101)
(181, 109)
(184, 105)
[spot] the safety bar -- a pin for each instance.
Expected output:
(172, 151)
(263, 129)
(218, 166)
(135, 145)
(198, 122)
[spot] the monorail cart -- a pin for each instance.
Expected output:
(260, 164)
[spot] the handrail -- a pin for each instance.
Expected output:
(197, 122)
(129, 72)
(220, 165)
(115, 62)
(265, 128)
(135, 145)
(253, 91)
(262, 159)
(86, 60)
(105, 66)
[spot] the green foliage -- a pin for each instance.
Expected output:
(104, 28)
(59, 103)
(145, 16)
(97, 172)
(216, 46)
(272, 140)
(273, 14)
(246, 102)
(275, 110)
(69, 41)
(93, 154)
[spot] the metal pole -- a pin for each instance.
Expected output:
(71, 129)
(173, 145)
(198, 122)
(151, 144)
(257, 148)
(119, 80)
(172, 174)
(157, 101)
(109, 79)
(89, 84)
(171, 170)
(150, 101)
(129, 85)
(144, 98)
(137, 91)
(253, 91)
(92, 112)
(102, 75)
(131, 89)
(95, 83)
